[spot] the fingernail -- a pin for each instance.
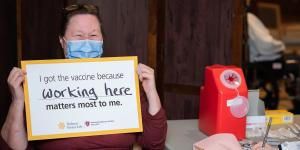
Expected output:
(139, 70)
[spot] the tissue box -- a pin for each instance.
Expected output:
(280, 116)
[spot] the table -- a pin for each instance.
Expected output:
(182, 134)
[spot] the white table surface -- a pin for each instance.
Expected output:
(182, 134)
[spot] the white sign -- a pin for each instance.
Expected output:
(81, 97)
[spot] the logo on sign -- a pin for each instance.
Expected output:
(87, 123)
(61, 125)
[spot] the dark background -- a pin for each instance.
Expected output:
(177, 38)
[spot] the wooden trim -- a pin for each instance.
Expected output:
(182, 89)
(19, 31)
(161, 8)
(245, 52)
(237, 32)
(152, 33)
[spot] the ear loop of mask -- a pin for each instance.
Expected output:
(65, 48)
(239, 105)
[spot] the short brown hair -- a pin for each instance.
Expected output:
(72, 10)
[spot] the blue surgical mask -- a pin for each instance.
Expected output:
(84, 49)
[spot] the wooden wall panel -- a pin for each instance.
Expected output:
(181, 106)
(125, 25)
(197, 34)
(40, 29)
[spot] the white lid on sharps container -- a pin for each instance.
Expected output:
(239, 106)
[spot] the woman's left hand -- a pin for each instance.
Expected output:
(146, 76)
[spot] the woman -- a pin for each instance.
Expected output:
(81, 37)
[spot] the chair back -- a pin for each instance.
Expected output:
(270, 14)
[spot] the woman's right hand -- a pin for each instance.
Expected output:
(13, 130)
(15, 79)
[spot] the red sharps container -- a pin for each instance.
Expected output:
(223, 101)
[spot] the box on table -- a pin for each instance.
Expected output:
(280, 116)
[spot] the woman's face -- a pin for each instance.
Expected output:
(82, 27)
